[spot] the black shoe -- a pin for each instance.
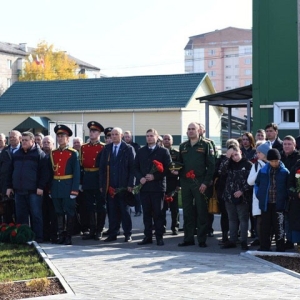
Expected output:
(90, 236)
(184, 244)
(228, 245)
(159, 242)
(68, 240)
(255, 243)
(264, 250)
(128, 239)
(174, 232)
(222, 242)
(288, 245)
(180, 229)
(110, 239)
(105, 232)
(145, 241)
(244, 246)
(202, 245)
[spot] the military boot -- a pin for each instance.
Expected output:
(70, 226)
(60, 226)
(92, 232)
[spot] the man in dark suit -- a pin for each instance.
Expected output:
(153, 186)
(128, 139)
(5, 160)
(272, 136)
(116, 179)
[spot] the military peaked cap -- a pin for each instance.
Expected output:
(95, 125)
(108, 130)
(63, 129)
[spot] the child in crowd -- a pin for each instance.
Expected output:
(262, 149)
(237, 196)
(271, 190)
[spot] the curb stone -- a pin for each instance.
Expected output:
(61, 279)
(252, 255)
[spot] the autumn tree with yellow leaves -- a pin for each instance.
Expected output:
(44, 63)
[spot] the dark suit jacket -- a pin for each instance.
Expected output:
(143, 164)
(278, 144)
(125, 159)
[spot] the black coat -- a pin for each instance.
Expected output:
(125, 159)
(28, 170)
(143, 164)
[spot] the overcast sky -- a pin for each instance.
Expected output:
(121, 37)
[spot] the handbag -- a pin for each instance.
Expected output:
(213, 203)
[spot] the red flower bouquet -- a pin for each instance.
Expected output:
(113, 191)
(156, 167)
(16, 233)
(297, 177)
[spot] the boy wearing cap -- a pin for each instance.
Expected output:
(272, 193)
(65, 182)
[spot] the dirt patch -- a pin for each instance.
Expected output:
(19, 290)
(289, 262)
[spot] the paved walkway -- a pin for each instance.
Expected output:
(122, 271)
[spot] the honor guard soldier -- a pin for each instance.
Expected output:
(65, 183)
(90, 160)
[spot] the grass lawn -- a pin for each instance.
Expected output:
(21, 262)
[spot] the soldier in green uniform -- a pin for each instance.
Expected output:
(172, 186)
(197, 156)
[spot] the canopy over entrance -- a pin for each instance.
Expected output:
(240, 97)
(34, 124)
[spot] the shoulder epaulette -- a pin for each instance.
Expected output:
(72, 149)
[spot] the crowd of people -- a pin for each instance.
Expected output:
(61, 192)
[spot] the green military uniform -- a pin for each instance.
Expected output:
(201, 159)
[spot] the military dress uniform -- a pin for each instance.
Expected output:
(65, 185)
(172, 185)
(90, 161)
(199, 158)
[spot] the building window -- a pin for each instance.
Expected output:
(212, 73)
(228, 66)
(247, 61)
(211, 63)
(236, 66)
(286, 115)
(228, 88)
(228, 77)
(8, 82)
(212, 51)
(189, 52)
(248, 72)
(248, 82)
(248, 50)
(9, 64)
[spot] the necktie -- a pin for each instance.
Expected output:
(115, 151)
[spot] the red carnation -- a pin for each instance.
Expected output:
(11, 224)
(158, 166)
(3, 228)
(298, 171)
(14, 233)
(111, 192)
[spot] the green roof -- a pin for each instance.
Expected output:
(112, 93)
